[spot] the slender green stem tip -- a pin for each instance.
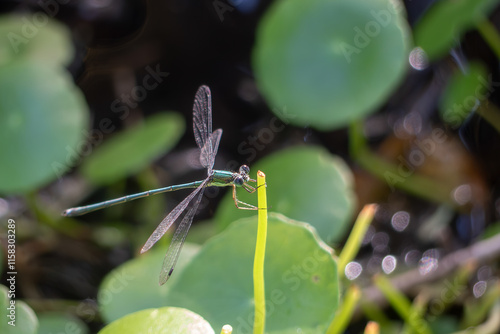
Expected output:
(353, 243)
(490, 35)
(402, 305)
(344, 314)
(372, 328)
(260, 252)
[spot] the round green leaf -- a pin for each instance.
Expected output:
(329, 62)
(134, 285)
(463, 94)
(301, 283)
(42, 119)
(34, 37)
(16, 317)
(165, 320)
(303, 183)
(55, 322)
(451, 18)
(130, 151)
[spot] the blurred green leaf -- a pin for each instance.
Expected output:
(451, 18)
(34, 37)
(304, 183)
(325, 63)
(134, 285)
(132, 150)
(53, 322)
(463, 94)
(491, 230)
(302, 290)
(42, 120)
(164, 320)
(19, 314)
(391, 328)
(444, 325)
(477, 310)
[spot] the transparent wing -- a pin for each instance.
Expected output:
(171, 218)
(207, 156)
(177, 241)
(207, 141)
(202, 117)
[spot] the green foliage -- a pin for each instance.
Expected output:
(463, 94)
(132, 150)
(444, 325)
(24, 319)
(491, 230)
(34, 114)
(344, 315)
(56, 322)
(329, 62)
(300, 278)
(28, 38)
(137, 281)
(42, 113)
(164, 320)
(451, 18)
(411, 314)
(303, 183)
(323, 64)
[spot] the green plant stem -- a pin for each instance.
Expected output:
(356, 236)
(415, 184)
(260, 252)
(491, 326)
(477, 309)
(372, 327)
(418, 309)
(343, 316)
(373, 312)
(491, 114)
(490, 35)
(402, 306)
(481, 252)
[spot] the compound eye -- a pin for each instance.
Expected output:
(244, 169)
(239, 181)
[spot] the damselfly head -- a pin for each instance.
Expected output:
(244, 170)
(239, 180)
